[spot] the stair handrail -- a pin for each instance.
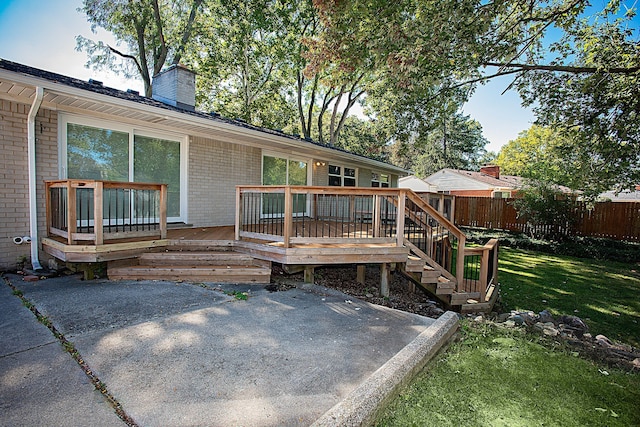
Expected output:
(425, 206)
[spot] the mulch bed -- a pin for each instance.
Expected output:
(343, 279)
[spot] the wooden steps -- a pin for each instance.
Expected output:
(444, 289)
(428, 277)
(195, 266)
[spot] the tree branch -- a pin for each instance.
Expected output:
(560, 68)
(187, 32)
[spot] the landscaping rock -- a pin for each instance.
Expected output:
(544, 316)
(572, 330)
(574, 322)
(502, 317)
(518, 319)
(604, 341)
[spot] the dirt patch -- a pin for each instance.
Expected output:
(343, 279)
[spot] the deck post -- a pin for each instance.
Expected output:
(98, 200)
(376, 215)
(484, 269)
(49, 214)
(460, 263)
(385, 279)
(163, 211)
(360, 273)
(72, 213)
(238, 212)
(400, 218)
(288, 217)
(309, 274)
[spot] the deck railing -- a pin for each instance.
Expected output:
(481, 268)
(126, 209)
(293, 215)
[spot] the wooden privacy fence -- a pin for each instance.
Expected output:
(619, 220)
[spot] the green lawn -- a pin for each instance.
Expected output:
(500, 377)
(605, 294)
(495, 376)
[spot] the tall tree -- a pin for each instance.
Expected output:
(586, 84)
(593, 103)
(454, 141)
(151, 32)
(241, 65)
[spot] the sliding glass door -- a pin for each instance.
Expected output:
(283, 171)
(101, 153)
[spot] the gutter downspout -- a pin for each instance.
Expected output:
(31, 148)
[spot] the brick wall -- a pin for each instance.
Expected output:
(215, 168)
(14, 176)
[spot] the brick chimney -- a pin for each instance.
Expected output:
(491, 170)
(175, 86)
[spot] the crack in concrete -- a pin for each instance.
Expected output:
(70, 348)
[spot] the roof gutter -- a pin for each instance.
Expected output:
(31, 148)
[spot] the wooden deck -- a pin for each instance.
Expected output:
(298, 227)
(332, 251)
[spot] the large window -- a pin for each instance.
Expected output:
(283, 171)
(340, 176)
(107, 152)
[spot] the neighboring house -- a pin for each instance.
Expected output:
(416, 184)
(55, 127)
(488, 182)
(623, 196)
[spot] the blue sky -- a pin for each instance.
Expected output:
(41, 34)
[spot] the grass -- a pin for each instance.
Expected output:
(603, 293)
(495, 376)
(500, 377)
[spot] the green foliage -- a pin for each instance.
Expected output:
(584, 86)
(580, 247)
(150, 31)
(534, 154)
(495, 376)
(595, 113)
(454, 142)
(545, 208)
(242, 296)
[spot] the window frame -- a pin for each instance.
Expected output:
(289, 159)
(342, 175)
(64, 119)
(379, 181)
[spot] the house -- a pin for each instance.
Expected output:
(83, 130)
(416, 184)
(623, 196)
(162, 176)
(488, 182)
